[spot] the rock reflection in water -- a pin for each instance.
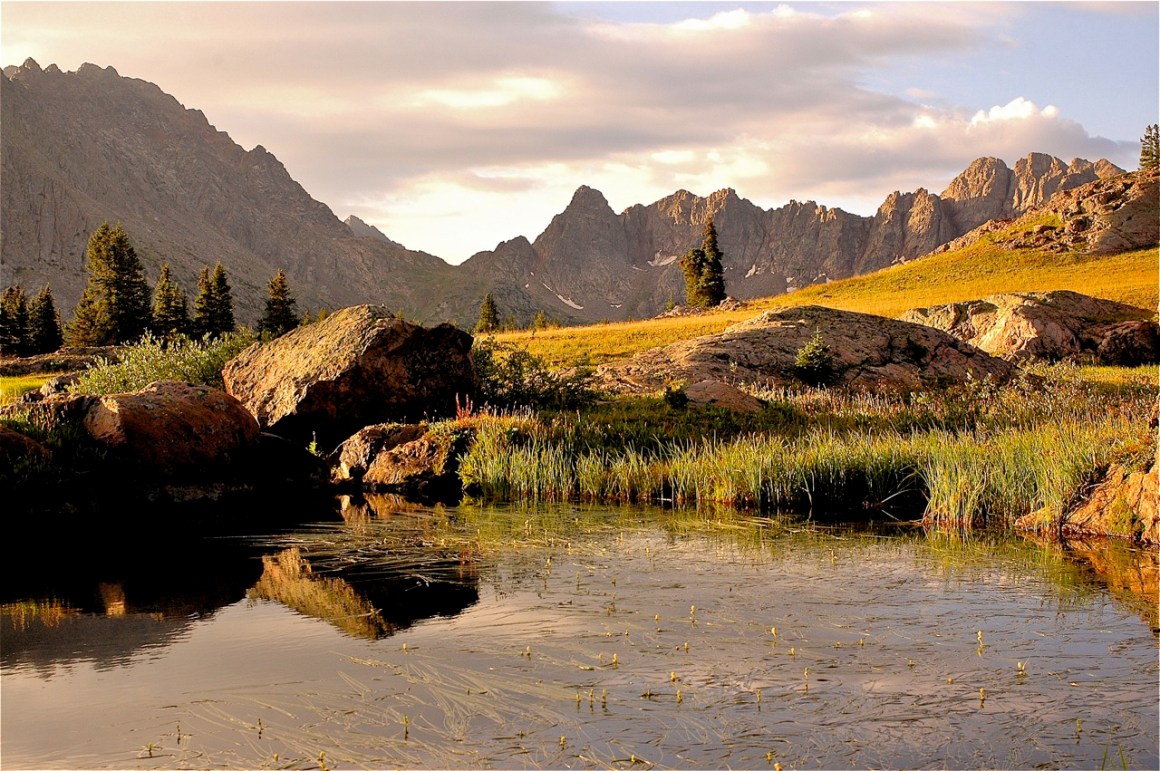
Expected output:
(375, 591)
(289, 579)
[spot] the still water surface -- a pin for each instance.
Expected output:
(566, 637)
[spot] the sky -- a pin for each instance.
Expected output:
(455, 126)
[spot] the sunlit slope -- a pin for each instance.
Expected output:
(974, 271)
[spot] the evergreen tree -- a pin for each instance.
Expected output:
(704, 274)
(170, 308)
(15, 337)
(213, 308)
(1150, 148)
(281, 310)
(44, 323)
(114, 306)
(202, 322)
(488, 315)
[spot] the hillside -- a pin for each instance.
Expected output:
(81, 148)
(1031, 253)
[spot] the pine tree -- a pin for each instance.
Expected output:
(488, 315)
(45, 334)
(202, 323)
(114, 306)
(14, 327)
(704, 275)
(170, 308)
(213, 308)
(1150, 148)
(281, 313)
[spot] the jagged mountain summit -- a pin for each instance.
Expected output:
(83, 147)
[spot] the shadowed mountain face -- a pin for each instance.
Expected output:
(85, 147)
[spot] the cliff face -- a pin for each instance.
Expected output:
(81, 148)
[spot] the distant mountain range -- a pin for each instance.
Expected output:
(79, 148)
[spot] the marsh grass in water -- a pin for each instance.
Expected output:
(977, 454)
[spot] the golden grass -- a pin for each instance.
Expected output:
(13, 387)
(964, 274)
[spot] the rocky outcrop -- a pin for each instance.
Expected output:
(358, 367)
(1112, 214)
(64, 360)
(866, 353)
(172, 429)
(1049, 326)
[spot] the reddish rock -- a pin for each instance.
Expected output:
(15, 447)
(1123, 505)
(172, 428)
(355, 455)
(358, 367)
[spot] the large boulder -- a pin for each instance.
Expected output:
(359, 366)
(867, 353)
(1048, 326)
(173, 429)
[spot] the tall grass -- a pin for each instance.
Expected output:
(979, 455)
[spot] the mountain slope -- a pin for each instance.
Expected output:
(85, 147)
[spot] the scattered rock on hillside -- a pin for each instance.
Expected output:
(868, 353)
(360, 366)
(1048, 326)
(714, 393)
(172, 428)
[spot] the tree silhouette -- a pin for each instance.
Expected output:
(281, 313)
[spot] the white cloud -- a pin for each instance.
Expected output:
(452, 126)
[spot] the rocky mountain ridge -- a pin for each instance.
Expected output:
(82, 148)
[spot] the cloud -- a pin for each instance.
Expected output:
(452, 126)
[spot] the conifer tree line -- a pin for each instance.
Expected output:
(116, 306)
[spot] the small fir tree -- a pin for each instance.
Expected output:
(170, 308)
(1150, 148)
(15, 337)
(281, 313)
(44, 322)
(814, 362)
(202, 322)
(488, 315)
(114, 306)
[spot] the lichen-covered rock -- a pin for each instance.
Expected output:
(866, 353)
(1124, 504)
(172, 429)
(1048, 326)
(358, 367)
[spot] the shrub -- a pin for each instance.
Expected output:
(814, 363)
(511, 377)
(199, 362)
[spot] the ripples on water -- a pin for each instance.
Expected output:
(560, 637)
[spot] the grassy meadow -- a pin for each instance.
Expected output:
(964, 274)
